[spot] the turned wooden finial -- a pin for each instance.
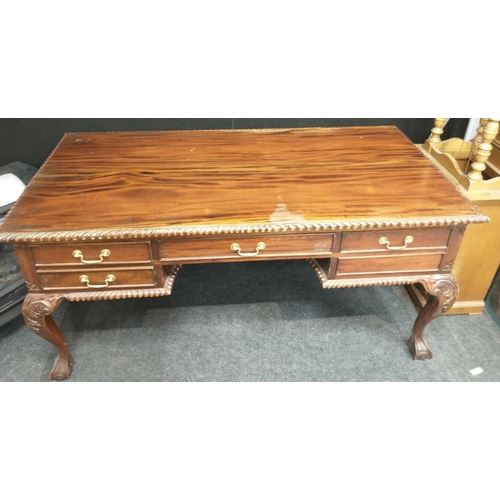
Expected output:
(437, 130)
(483, 150)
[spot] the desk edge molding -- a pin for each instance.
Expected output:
(429, 280)
(180, 231)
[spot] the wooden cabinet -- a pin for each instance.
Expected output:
(479, 256)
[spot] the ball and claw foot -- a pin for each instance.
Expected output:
(62, 368)
(419, 349)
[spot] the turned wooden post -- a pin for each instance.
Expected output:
(483, 149)
(437, 130)
(479, 134)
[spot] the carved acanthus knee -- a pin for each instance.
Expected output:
(37, 307)
(444, 287)
(37, 310)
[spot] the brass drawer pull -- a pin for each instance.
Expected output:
(236, 248)
(79, 255)
(109, 279)
(385, 241)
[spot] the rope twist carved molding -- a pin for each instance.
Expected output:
(128, 294)
(37, 305)
(443, 284)
(117, 294)
(120, 234)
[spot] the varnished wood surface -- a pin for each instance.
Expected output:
(118, 252)
(370, 240)
(389, 264)
(238, 184)
(219, 249)
(62, 279)
(148, 180)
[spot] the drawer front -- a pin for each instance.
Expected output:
(97, 279)
(395, 239)
(93, 253)
(389, 264)
(178, 250)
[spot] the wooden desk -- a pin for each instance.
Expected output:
(115, 215)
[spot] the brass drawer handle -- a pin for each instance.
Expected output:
(79, 255)
(385, 241)
(236, 248)
(109, 279)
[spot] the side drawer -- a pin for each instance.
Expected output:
(394, 239)
(92, 253)
(102, 279)
(244, 247)
(389, 264)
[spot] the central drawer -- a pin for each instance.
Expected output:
(238, 247)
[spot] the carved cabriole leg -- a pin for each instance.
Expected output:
(37, 310)
(443, 290)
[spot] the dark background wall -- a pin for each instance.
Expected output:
(31, 140)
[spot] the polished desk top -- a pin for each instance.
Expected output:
(116, 185)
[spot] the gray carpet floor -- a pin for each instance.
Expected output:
(255, 321)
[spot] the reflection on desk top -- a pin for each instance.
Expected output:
(144, 184)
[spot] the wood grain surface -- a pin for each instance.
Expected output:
(120, 181)
(59, 255)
